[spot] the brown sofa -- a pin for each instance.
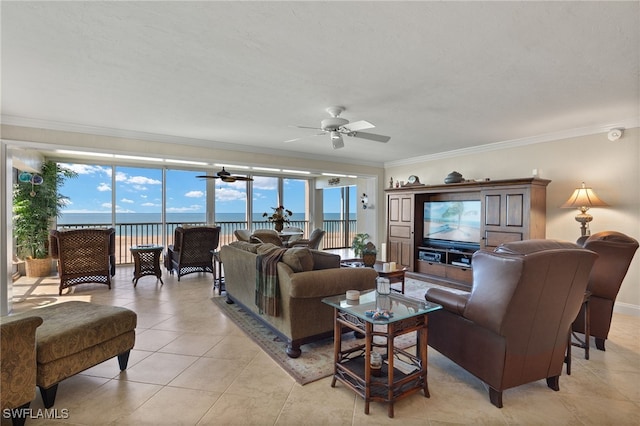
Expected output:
(513, 327)
(305, 277)
(18, 364)
(615, 252)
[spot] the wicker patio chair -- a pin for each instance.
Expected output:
(192, 250)
(84, 256)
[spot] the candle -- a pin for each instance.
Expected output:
(392, 266)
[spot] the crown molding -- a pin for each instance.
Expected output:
(629, 123)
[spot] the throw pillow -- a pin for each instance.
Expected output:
(299, 259)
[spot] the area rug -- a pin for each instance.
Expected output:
(316, 361)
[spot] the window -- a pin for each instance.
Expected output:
(90, 196)
(265, 198)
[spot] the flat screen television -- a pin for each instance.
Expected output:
(452, 224)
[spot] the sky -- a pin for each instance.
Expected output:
(139, 190)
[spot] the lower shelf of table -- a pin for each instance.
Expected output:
(351, 372)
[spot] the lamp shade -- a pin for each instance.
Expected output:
(583, 197)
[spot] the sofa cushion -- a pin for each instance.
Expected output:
(244, 245)
(265, 248)
(299, 259)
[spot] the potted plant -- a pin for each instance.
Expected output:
(36, 203)
(364, 249)
(279, 217)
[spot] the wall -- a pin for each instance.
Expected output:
(610, 168)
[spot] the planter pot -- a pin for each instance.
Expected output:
(279, 226)
(38, 267)
(369, 259)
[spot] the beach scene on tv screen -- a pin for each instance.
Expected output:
(452, 220)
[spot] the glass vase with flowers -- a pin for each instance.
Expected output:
(279, 217)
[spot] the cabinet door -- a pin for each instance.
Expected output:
(400, 229)
(505, 216)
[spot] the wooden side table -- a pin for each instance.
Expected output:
(146, 260)
(584, 344)
(395, 276)
(402, 373)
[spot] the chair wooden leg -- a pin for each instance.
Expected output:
(554, 383)
(123, 360)
(19, 414)
(600, 343)
(495, 397)
(49, 395)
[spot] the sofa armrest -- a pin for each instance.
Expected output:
(325, 282)
(324, 260)
(453, 302)
(18, 354)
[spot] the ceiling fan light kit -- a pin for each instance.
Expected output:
(338, 127)
(225, 176)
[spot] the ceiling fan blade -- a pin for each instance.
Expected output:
(305, 137)
(359, 125)
(308, 127)
(207, 177)
(370, 136)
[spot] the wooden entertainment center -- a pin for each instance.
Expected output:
(463, 218)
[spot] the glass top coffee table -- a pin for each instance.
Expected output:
(383, 317)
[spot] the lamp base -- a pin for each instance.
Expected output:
(583, 218)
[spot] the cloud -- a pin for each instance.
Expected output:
(86, 169)
(196, 208)
(126, 200)
(230, 194)
(102, 187)
(143, 180)
(106, 205)
(194, 194)
(263, 182)
(150, 205)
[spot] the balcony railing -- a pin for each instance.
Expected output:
(339, 233)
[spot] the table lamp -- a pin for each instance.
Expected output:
(583, 198)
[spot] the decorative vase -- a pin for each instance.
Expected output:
(279, 225)
(38, 267)
(453, 177)
(369, 259)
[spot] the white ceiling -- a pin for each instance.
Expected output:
(435, 76)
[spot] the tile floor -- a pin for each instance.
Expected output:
(192, 366)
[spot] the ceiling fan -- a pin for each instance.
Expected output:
(225, 176)
(336, 127)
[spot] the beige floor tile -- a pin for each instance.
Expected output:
(241, 410)
(110, 401)
(152, 340)
(171, 406)
(158, 368)
(195, 344)
(192, 365)
(210, 374)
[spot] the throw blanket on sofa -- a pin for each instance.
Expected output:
(267, 289)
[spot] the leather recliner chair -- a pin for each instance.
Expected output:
(513, 327)
(615, 252)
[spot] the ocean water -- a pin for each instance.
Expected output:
(105, 218)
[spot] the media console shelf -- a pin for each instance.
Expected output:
(433, 230)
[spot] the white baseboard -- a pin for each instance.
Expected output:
(626, 309)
